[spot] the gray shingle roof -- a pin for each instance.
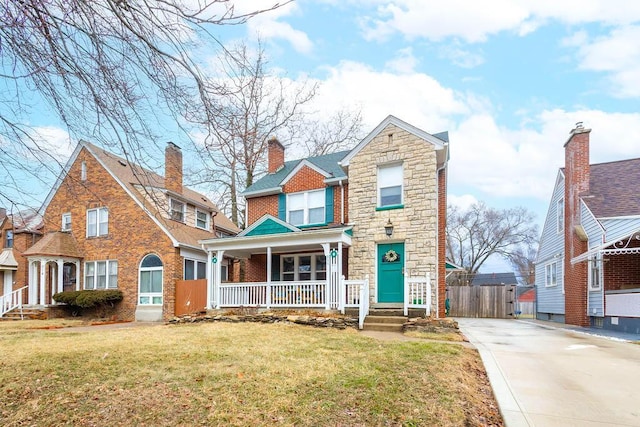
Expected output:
(481, 279)
(614, 189)
(326, 162)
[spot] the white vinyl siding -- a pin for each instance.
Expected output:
(560, 215)
(595, 272)
(97, 222)
(390, 185)
(306, 208)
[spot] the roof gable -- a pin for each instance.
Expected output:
(268, 224)
(304, 163)
(439, 143)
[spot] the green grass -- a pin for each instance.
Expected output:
(234, 374)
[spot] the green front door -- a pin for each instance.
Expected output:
(390, 278)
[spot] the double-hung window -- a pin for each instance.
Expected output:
(97, 222)
(390, 185)
(551, 274)
(66, 222)
(176, 210)
(303, 267)
(101, 274)
(202, 219)
(306, 208)
(595, 272)
(560, 215)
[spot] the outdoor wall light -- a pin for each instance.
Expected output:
(388, 229)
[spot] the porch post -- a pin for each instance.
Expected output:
(60, 263)
(78, 275)
(33, 283)
(341, 292)
(268, 276)
(217, 275)
(209, 280)
(43, 279)
(327, 255)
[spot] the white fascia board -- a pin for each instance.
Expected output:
(265, 192)
(264, 218)
(299, 166)
(136, 199)
(439, 144)
(333, 235)
(337, 180)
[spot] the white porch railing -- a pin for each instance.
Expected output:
(357, 295)
(11, 301)
(276, 294)
(417, 294)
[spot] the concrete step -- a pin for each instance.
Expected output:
(27, 313)
(399, 320)
(384, 312)
(382, 327)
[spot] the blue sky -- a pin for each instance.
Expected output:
(508, 79)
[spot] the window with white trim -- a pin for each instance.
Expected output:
(560, 215)
(551, 274)
(150, 281)
(66, 221)
(176, 210)
(595, 272)
(194, 269)
(306, 208)
(8, 239)
(97, 222)
(101, 274)
(202, 219)
(390, 185)
(303, 267)
(83, 171)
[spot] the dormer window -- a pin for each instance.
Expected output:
(202, 219)
(176, 211)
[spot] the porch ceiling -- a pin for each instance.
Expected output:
(308, 240)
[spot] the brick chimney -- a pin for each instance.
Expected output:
(275, 152)
(576, 183)
(173, 168)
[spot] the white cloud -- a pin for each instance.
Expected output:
(461, 57)
(463, 202)
(475, 21)
(404, 63)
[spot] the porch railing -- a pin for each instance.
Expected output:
(357, 295)
(11, 301)
(276, 294)
(417, 294)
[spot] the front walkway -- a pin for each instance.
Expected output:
(543, 375)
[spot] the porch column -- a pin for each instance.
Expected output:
(60, 263)
(268, 276)
(33, 283)
(217, 275)
(329, 274)
(209, 280)
(43, 279)
(341, 292)
(78, 275)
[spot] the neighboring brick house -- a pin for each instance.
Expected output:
(110, 224)
(377, 211)
(588, 264)
(18, 232)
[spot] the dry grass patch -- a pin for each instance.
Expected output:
(236, 374)
(453, 336)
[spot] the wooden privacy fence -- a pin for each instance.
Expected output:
(191, 296)
(482, 301)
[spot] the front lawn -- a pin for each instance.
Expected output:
(243, 374)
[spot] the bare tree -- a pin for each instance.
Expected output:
(476, 233)
(523, 261)
(260, 105)
(117, 72)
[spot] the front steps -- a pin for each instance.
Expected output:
(27, 313)
(385, 320)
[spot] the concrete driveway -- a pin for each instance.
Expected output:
(547, 376)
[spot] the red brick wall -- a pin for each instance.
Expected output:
(275, 155)
(258, 206)
(21, 242)
(306, 179)
(132, 234)
(173, 168)
(621, 272)
(256, 268)
(337, 204)
(576, 183)
(442, 223)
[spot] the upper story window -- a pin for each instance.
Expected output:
(560, 215)
(8, 239)
(97, 222)
(83, 171)
(306, 208)
(390, 185)
(202, 219)
(176, 210)
(66, 222)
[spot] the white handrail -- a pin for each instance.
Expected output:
(417, 294)
(364, 302)
(11, 301)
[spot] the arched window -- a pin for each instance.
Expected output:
(150, 292)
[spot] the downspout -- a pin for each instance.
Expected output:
(341, 202)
